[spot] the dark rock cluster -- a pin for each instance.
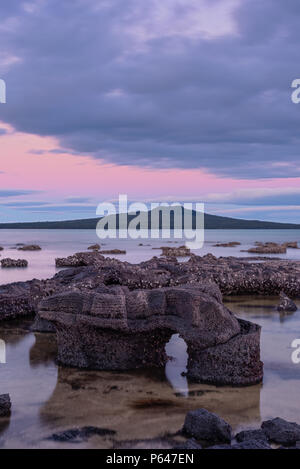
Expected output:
(7, 263)
(205, 430)
(5, 405)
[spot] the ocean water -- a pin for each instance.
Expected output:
(61, 243)
(141, 404)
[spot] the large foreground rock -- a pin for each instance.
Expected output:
(114, 328)
(206, 426)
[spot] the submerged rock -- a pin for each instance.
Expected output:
(291, 245)
(286, 304)
(268, 248)
(113, 251)
(77, 435)
(5, 405)
(206, 426)
(181, 251)
(282, 432)
(94, 247)
(114, 328)
(29, 247)
(8, 263)
(231, 244)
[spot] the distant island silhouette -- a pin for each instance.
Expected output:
(211, 222)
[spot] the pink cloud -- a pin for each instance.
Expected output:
(61, 175)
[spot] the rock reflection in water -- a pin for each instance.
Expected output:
(140, 404)
(176, 349)
(137, 405)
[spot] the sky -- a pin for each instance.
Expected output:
(163, 101)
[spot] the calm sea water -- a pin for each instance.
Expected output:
(145, 404)
(61, 243)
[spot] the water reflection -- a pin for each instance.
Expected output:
(142, 404)
(176, 349)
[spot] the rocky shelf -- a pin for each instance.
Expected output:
(110, 314)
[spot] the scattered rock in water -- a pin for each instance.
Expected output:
(77, 435)
(181, 251)
(282, 432)
(247, 435)
(268, 248)
(291, 245)
(206, 426)
(5, 405)
(286, 304)
(7, 263)
(29, 247)
(80, 259)
(94, 247)
(1, 248)
(231, 244)
(113, 251)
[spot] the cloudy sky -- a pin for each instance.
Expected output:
(161, 100)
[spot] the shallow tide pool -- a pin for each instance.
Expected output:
(47, 399)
